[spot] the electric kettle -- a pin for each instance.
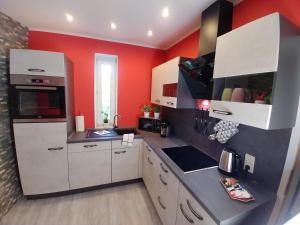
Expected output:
(230, 162)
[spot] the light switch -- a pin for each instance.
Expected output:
(250, 161)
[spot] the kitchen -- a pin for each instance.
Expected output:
(238, 112)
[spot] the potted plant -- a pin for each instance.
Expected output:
(105, 119)
(146, 109)
(156, 110)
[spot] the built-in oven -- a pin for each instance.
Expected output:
(37, 98)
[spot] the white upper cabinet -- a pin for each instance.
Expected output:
(168, 87)
(33, 62)
(256, 75)
(250, 49)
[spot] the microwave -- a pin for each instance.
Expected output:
(150, 124)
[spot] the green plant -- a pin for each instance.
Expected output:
(156, 109)
(105, 117)
(146, 108)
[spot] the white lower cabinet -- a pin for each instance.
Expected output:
(89, 164)
(125, 161)
(189, 211)
(42, 157)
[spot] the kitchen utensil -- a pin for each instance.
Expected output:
(230, 162)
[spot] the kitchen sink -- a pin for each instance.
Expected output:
(111, 132)
(189, 159)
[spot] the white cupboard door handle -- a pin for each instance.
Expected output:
(56, 149)
(36, 70)
(162, 180)
(148, 148)
(158, 101)
(185, 215)
(163, 168)
(89, 146)
(222, 112)
(161, 205)
(193, 210)
(120, 152)
(170, 103)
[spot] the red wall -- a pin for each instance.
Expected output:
(245, 12)
(134, 77)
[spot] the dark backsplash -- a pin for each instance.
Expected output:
(268, 147)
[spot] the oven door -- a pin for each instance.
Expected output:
(38, 103)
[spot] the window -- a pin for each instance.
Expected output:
(106, 69)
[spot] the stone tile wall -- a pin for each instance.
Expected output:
(12, 35)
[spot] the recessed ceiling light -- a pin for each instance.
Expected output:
(113, 26)
(69, 17)
(150, 33)
(165, 12)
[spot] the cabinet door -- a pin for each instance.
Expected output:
(250, 49)
(148, 171)
(42, 157)
(125, 164)
(189, 211)
(156, 86)
(33, 62)
(87, 169)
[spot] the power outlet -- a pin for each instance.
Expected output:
(249, 161)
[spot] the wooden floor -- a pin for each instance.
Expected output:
(123, 205)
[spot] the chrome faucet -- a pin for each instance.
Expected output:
(114, 124)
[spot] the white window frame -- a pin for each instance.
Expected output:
(96, 112)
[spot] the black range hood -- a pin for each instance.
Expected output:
(198, 73)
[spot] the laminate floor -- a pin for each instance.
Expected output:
(123, 205)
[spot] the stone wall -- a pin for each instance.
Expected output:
(12, 35)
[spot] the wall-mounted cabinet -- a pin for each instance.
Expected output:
(256, 75)
(168, 86)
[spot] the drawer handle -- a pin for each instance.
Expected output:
(148, 148)
(120, 152)
(56, 149)
(150, 161)
(162, 180)
(158, 101)
(193, 210)
(36, 70)
(161, 205)
(170, 103)
(89, 146)
(185, 215)
(163, 168)
(222, 112)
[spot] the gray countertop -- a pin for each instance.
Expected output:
(204, 185)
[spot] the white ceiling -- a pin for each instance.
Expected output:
(92, 18)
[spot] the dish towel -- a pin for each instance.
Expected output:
(128, 139)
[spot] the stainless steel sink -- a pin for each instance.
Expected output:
(110, 132)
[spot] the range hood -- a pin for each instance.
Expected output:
(198, 73)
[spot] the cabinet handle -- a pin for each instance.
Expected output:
(170, 103)
(120, 152)
(161, 205)
(185, 215)
(150, 161)
(222, 112)
(56, 149)
(158, 101)
(89, 146)
(149, 150)
(162, 180)
(36, 70)
(193, 210)
(163, 168)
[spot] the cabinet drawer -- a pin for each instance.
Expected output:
(190, 211)
(33, 62)
(87, 169)
(89, 146)
(118, 144)
(257, 115)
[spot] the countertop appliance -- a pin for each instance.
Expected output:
(150, 124)
(164, 129)
(189, 159)
(230, 162)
